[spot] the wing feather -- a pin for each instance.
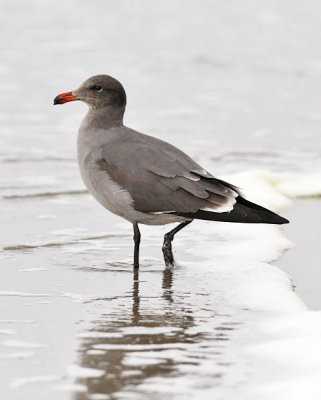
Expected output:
(161, 178)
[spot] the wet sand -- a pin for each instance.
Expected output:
(302, 262)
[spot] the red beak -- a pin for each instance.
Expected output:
(64, 98)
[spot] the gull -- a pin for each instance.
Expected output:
(147, 180)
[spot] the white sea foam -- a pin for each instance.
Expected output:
(143, 347)
(71, 387)
(141, 361)
(275, 188)
(22, 294)
(76, 297)
(18, 382)
(18, 343)
(95, 334)
(33, 270)
(297, 185)
(145, 330)
(82, 372)
(130, 372)
(95, 352)
(99, 396)
(278, 340)
(19, 355)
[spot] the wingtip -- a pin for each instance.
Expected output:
(280, 220)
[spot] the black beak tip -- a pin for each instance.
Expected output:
(57, 100)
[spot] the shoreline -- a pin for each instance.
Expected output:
(300, 262)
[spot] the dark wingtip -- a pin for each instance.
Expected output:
(283, 221)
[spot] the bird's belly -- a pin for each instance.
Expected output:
(111, 195)
(117, 200)
(107, 192)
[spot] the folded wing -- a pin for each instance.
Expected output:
(161, 178)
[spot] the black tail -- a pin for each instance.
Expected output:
(244, 212)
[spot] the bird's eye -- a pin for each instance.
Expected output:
(97, 88)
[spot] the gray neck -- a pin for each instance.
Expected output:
(103, 118)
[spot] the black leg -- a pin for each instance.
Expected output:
(167, 245)
(137, 242)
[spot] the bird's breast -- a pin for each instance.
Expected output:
(107, 192)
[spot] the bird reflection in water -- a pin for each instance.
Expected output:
(167, 284)
(129, 358)
(136, 299)
(119, 374)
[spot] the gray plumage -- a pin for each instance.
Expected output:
(158, 176)
(144, 179)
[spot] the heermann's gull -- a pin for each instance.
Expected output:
(146, 180)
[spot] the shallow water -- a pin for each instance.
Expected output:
(237, 86)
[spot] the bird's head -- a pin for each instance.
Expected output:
(99, 91)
